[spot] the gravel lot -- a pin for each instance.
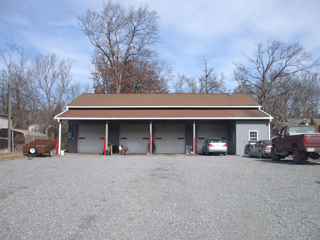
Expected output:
(158, 197)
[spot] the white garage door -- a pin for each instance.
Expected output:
(205, 131)
(135, 137)
(91, 138)
(169, 138)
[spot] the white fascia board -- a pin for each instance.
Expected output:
(57, 116)
(172, 118)
(270, 117)
(119, 107)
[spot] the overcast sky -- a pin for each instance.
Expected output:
(189, 29)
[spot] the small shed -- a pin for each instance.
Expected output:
(4, 120)
(21, 137)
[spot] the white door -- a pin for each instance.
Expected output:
(135, 137)
(91, 138)
(205, 131)
(169, 138)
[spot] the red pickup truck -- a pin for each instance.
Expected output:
(300, 141)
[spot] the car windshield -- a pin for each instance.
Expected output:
(218, 140)
(266, 142)
(302, 129)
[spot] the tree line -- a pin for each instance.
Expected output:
(40, 85)
(282, 77)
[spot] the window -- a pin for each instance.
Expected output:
(282, 132)
(302, 129)
(217, 140)
(257, 144)
(253, 136)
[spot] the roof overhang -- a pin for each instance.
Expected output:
(163, 114)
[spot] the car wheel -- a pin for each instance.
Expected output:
(296, 155)
(260, 154)
(32, 150)
(274, 155)
(50, 153)
(249, 154)
(207, 152)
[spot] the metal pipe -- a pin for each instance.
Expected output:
(47, 131)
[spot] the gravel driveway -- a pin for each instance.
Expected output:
(158, 197)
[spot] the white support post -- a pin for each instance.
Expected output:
(59, 140)
(107, 134)
(193, 139)
(150, 138)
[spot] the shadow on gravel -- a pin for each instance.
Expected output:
(287, 161)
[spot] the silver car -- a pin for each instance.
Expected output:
(260, 149)
(214, 145)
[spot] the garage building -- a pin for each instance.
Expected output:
(172, 122)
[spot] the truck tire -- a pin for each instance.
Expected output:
(32, 150)
(274, 155)
(296, 155)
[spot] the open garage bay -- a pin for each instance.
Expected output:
(158, 197)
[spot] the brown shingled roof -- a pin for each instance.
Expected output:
(235, 99)
(161, 113)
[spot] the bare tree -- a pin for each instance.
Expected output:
(193, 86)
(306, 95)
(3, 91)
(206, 82)
(209, 82)
(53, 77)
(180, 84)
(15, 59)
(121, 36)
(37, 88)
(271, 68)
(74, 90)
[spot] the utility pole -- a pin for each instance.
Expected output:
(9, 113)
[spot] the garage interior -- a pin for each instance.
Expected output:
(167, 136)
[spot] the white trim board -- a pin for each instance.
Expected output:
(137, 106)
